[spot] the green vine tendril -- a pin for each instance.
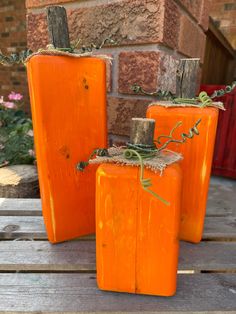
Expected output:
(15, 58)
(102, 152)
(222, 92)
(203, 99)
(145, 183)
(193, 131)
(165, 95)
(19, 58)
(141, 152)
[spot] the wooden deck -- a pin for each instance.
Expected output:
(38, 277)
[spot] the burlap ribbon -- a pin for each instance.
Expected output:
(169, 104)
(50, 51)
(156, 164)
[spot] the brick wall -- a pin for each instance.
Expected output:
(224, 14)
(152, 36)
(13, 38)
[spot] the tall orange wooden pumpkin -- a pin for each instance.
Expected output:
(68, 99)
(196, 165)
(136, 234)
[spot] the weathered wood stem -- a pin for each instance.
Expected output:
(187, 78)
(142, 131)
(58, 27)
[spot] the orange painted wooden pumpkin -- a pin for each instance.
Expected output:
(68, 99)
(136, 234)
(196, 165)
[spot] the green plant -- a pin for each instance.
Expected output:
(16, 134)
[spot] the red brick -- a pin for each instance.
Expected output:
(204, 14)
(171, 24)
(37, 35)
(117, 140)
(193, 6)
(150, 69)
(191, 39)
(199, 9)
(139, 67)
(121, 111)
(42, 3)
(129, 21)
(12, 19)
(220, 12)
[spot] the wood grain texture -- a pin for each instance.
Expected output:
(33, 227)
(142, 131)
(68, 196)
(194, 203)
(208, 256)
(43, 256)
(220, 69)
(79, 293)
(80, 256)
(221, 201)
(187, 78)
(20, 207)
(19, 181)
(219, 228)
(58, 27)
(13, 227)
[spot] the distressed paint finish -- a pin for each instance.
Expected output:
(68, 98)
(196, 165)
(137, 235)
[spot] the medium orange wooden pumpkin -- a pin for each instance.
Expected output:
(68, 99)
(196, 165)
(136, 234)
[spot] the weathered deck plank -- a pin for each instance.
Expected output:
(33, 227)
(221, 201)
(20, 207)
(12, 227)
(80, 256)
(78, 293)
(47, 284)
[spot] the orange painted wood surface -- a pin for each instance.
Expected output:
(196, 165)
(136, 234)
(68, 100)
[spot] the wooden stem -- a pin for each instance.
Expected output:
(187, 78)
(58, 27)
(142, 131)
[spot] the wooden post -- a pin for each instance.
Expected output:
(187, 78)
(142, 131)
(58, 27)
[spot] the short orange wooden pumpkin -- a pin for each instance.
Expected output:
(136, 234)
(68, 99)
(196, 165)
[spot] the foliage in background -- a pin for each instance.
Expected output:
(16, 134)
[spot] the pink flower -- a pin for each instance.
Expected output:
(1, 100)
(15, 96)
(9, 105)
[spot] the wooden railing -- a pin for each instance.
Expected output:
(219, 62)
